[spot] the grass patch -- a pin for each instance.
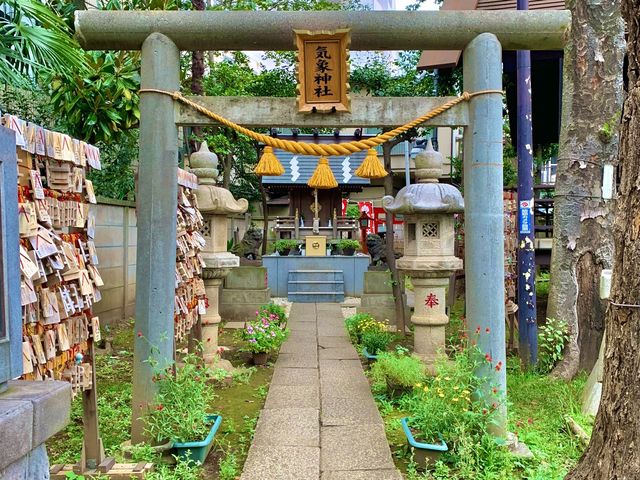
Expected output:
(239, 405)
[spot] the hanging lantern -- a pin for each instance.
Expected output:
(323, 177)
(269, 165)
(371, 166)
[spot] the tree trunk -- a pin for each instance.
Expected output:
(227, 164)
(265, 208)
(582, 242)
(390, 251)
(613, 453)
(197, 59)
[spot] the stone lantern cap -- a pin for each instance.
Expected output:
(213, 200)
(427, 195)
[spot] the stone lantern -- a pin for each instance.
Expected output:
(428, 208)
(215, 203)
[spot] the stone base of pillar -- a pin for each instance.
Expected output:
(429, 342)
(210, 343)
(210, 321)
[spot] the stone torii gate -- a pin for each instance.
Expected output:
(161, 35)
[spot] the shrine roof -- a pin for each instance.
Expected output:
(300, 168)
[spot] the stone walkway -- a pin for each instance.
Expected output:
(319, 420)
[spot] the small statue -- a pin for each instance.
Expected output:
(249, 247)
(377, 249)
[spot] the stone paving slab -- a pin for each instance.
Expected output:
(333, 342)
(271, 462)
(336, 364)
(356, 447)
(331, 331)
(297, 360)
(362, 475)
(292, 396)
(294, 377)
(354, 389)
(300, 345)
(302, 334)
(302, 427)
(345, 410)
(302, 327)
(340, 353)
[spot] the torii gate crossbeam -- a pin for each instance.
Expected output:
(161, 35)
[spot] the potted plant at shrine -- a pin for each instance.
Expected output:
(374, 342)
(283, 247)
(348, 246)
(262, 337)
(180, 412)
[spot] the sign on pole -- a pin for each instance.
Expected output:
(323, 71)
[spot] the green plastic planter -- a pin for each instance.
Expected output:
(424, 454)
(198, 451)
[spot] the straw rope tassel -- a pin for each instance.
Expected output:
(323, 177)
(269, 165)
(371, 167)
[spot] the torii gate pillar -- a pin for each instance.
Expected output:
(156, 204)
(484, 218)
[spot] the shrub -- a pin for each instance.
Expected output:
(347, 243)
(362, 322)
(180, 407)
(376, 341)
(552, 338)
(282, 245)
(275, 313)
(397, 372)
(263, 335)
(353, 211)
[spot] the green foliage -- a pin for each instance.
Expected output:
(228, 469)
(353, 211)
(542, 284)
(376, 341)
(552, 337)
(274, 312)
(35, 41)
(360, 323)
(100, 103)
(182, 470)
(282, 245)
(397, 371)
(263, 335)
(182, 402)
(117, 178)
(346, 243)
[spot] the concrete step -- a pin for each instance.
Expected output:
(316, 297)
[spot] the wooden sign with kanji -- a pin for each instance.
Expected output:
(323, 71)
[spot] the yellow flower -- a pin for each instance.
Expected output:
(418, 385)
(466, 392)
(456, 388)
(447, 378)
(454, 399)
(441, 395)
(426, 389)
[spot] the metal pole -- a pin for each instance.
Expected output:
(484, 241)
(156, 206)
(407, 163)
(527, 327)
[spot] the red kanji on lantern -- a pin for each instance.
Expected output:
(431, 301)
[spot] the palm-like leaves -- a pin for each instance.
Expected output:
(34, 39)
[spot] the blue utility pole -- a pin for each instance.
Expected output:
(527, 326)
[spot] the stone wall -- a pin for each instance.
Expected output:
(116, 240)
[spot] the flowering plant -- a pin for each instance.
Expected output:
(363, 322)
(182, 402)
(275, 313)
(264, 335)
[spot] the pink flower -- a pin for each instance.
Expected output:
(487, 330)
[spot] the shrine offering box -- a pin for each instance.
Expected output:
(316, 246)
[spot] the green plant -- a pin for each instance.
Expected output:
(347, 243)
(552, 337)
(353, 211)
(228, 469)
(376, 341)
(396, 371)
(282, 246)
(182, 402)
(543, 280)
(274, 312)
(359, 323)
(263, 335)
(182, 470)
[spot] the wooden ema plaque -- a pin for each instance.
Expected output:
(323, 71)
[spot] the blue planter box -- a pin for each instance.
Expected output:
(198, 451)
(370, 358)
(424, 453)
